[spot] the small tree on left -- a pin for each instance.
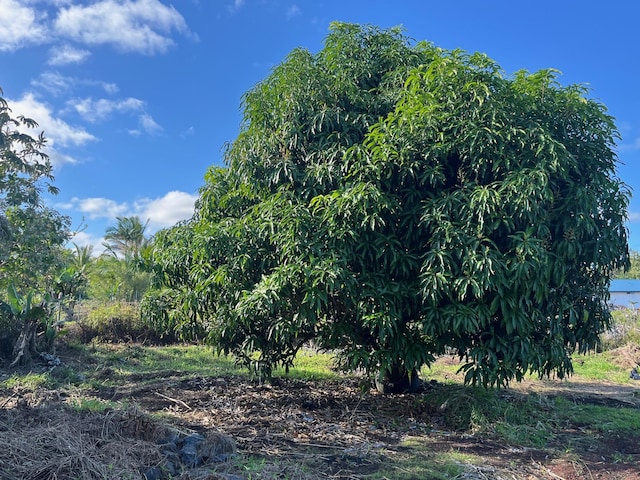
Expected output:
(32, 235)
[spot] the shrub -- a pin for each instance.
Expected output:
(624, 330)
(113, 322)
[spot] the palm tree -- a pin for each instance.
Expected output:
(82, 257)
(126, 238)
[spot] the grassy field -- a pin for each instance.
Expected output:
(316, 423)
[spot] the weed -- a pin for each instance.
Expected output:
(599, 367)
(30, 381)
(93, 405)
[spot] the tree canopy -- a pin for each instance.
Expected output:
(31, 234)
(394, 201)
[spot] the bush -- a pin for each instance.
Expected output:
(113, 322)
(624, 330)
(8, 335)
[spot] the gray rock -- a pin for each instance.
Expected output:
(222, 458)
(154, 473)
(189, 452)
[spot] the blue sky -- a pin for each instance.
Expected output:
(139, 97)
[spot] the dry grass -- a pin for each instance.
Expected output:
(49, 442)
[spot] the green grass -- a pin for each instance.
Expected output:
(93, 405)
(311, 365)
(29, 381)
(599, 418)
(181, 360)
(599, 367)
(418, 460)
(196, 360)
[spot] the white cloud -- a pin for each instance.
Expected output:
(111, 88)
(54, 83)
(146, 124)
(57, 132)
(166, 211)
(293, 11)
(19, 26)
(161, 212)
(149, 125)
(140, 26)
(83, 239)
(237, 5)
(66, 54)
(99, 207)
(95, 110)
(57, 84)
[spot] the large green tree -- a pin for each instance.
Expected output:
(395, 201)
(32, 235)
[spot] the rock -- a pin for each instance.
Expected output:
(169, 468)
(634, 374)
(189, 452)
(154, 473)
(222, 458)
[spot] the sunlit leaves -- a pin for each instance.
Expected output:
(395, 201)
(31, 234)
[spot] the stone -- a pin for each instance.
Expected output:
(154, 473)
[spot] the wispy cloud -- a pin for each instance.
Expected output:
(293, 11)
(93, 110)
(189, 132)
(19, 26)
(58, 84)
(161, 212)
(66, 54)
(146, 124)
(236, 5)
(142, 26)
(149, 125)
(630, 147)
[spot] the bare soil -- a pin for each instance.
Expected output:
(301, 429)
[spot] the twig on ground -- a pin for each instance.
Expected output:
(8, 398)
(175, 400)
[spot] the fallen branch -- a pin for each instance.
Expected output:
(175, 400)
(9, 398)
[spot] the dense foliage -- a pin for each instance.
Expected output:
(32, 260)
(396, 201)
(31, 234)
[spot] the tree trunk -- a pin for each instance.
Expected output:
(398, 379)
(25, 347)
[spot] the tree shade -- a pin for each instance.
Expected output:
(394, 201)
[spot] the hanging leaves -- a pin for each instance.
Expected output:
(394, 201)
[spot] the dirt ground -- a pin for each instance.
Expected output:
(305, 430)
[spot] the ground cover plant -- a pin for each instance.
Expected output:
(104, 412)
